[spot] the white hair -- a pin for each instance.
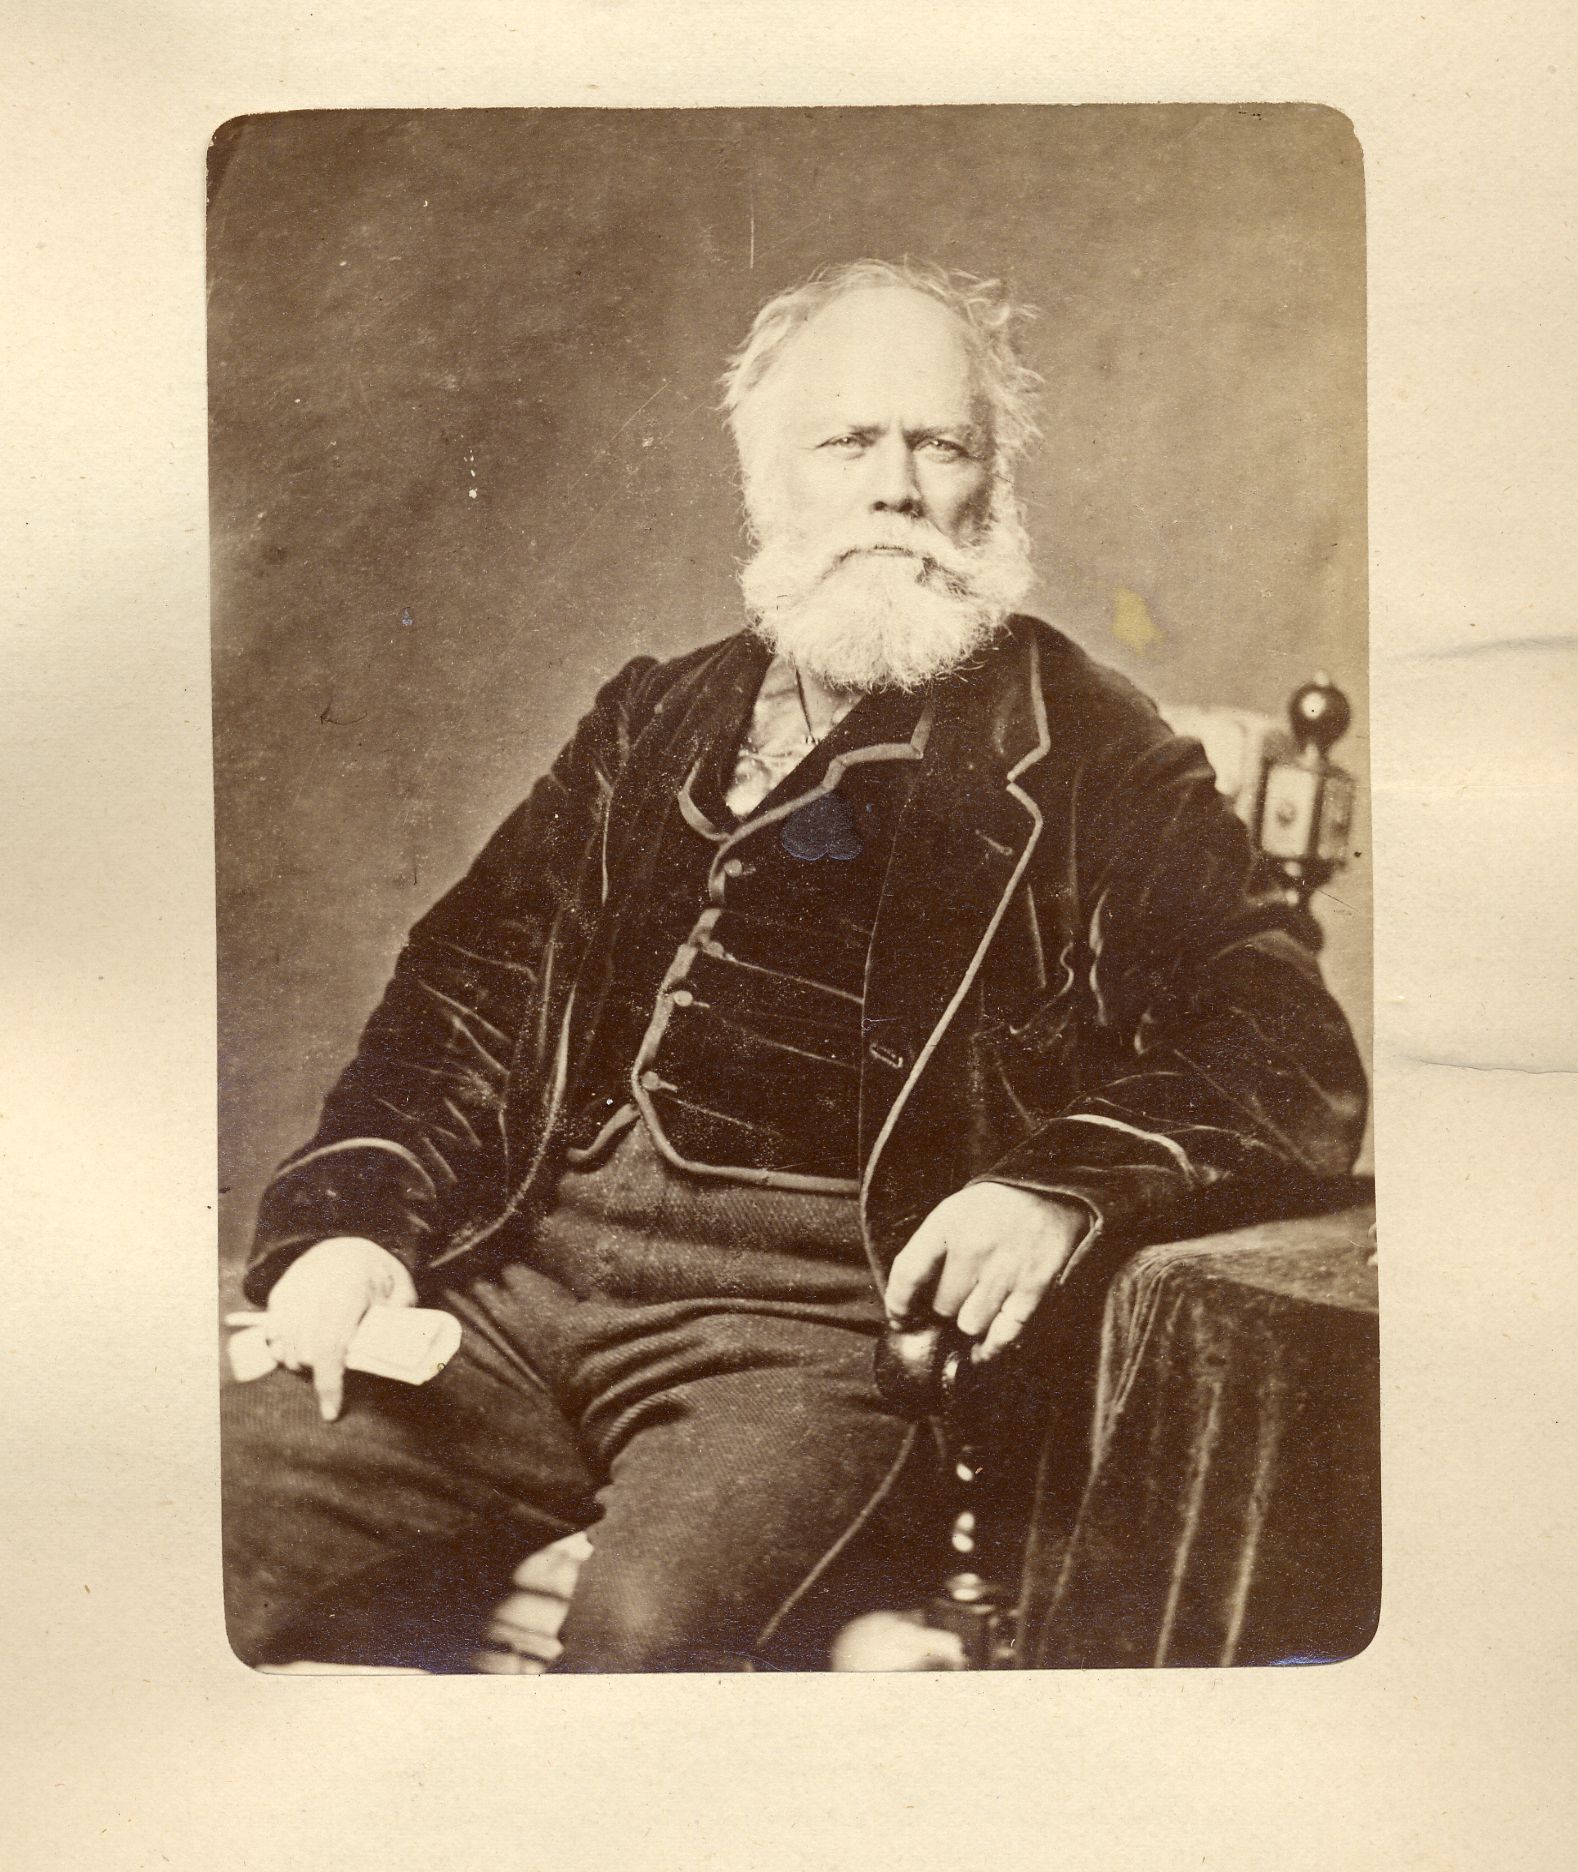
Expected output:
(989, 319)
(892, 602)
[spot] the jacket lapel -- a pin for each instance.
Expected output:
(961, 847)
(962, 844)
(717, 689)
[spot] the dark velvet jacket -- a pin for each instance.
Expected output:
(1081, 981)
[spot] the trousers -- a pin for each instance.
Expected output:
(683, 1366)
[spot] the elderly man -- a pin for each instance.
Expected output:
(888, 957)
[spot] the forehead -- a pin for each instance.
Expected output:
(876, 353)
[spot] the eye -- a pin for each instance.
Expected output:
(844, 444)
(944, 449)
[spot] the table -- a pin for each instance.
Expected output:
(1231, 1513)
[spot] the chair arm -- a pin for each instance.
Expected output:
(926, 1371)
(920, 1370)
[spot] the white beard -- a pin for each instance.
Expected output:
(857, 617)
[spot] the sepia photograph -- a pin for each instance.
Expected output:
(794, 889)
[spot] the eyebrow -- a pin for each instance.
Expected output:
(946, 432)
(969, 432)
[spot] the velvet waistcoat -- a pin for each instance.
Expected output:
(733, 1020)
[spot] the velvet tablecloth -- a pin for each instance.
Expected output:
(1232, 1510)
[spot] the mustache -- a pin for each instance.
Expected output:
(886, 600)
(884, 564)
(934, 553)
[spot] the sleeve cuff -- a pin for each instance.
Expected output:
(367, 1187)
(1135, 1185)
(1094, 1221)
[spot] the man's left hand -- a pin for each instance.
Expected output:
(985, 1256)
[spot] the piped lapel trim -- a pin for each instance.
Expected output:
(1038, 750)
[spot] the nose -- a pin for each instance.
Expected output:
(894, 487)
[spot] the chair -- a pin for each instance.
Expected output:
(1103, 1574)
(1210, 1494)
(1204, 1491)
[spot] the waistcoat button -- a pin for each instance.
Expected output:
(734, 867)
(651, 1080)
(681, 997)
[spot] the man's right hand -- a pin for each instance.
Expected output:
(316, 1305)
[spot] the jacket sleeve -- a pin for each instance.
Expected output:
(410, 1143)
(1221, 1080)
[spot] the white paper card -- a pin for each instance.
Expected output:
(411, 1344)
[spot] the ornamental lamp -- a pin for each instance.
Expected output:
(1304, 816)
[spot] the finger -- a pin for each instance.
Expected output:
(912, 1272)
(961, 1274)
(1018, 1309)
(328, 1380)
(281, 1341)
(290, 1331)
(315, 1331)
(402, 1289)
(1003, 1332)
(984, 1300)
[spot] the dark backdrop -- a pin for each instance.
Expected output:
(466, 461)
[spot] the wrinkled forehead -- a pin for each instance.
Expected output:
(878, 355)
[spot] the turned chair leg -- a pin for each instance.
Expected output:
(523, 1632)
(968, 1623)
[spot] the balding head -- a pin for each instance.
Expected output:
(878, 411)
(869, 327)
